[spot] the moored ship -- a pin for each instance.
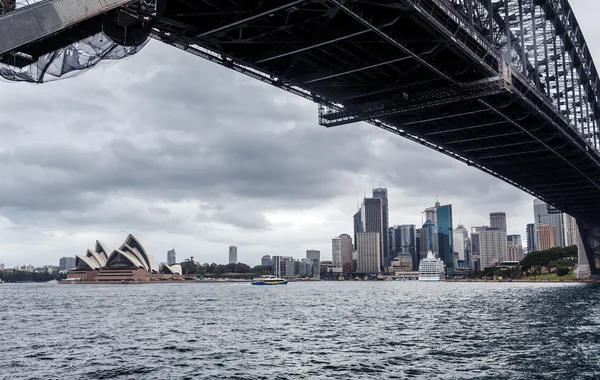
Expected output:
(431, 268)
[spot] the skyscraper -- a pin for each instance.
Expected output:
(546, 237)
(336, 252)
(358, 225)
(233, 259)
(514, 240)
(369, 255)
(66, 263)
(463, 240)
(372, 218)
(492, 246)
(405, 238)
(571, 230)
(445, 235)
(315, 257)
(428, 239)
(391, 248)
(382, 194)
(346, 252)
(266, 261)
(498, 220)
(171, 257)
(543, 215)
(530, 237)
(459, 246)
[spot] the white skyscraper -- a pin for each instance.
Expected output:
(336, 252)
(459, 244)
(369, 253)
(233, 259)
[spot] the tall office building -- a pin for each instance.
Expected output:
(514, 240)
(445, 235)
(372, 219)
(358, 224)
(391, 248)
(431, 213)
(66, 263)
(171, 257)
(346, 252)
(405, 239)
(546, 237)
(233, 259)
(514, 252)
(336, 252)
(369, 254)
(571, 232)
(459, 246)
(315, 257)
(382, 194)
(466, 245)
(266, 261)
(530, 237)
(475, 248)
(542, 215)
(1, 266)
(429, 241)
(498, 220)
(492, 246)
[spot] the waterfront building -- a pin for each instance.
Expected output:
(543, 214)
(514, 252)
(303, 267)
(66, 263)
(402, 263)
(1, 267)
(314, 256)
(346, 242)
(129, 263)
(278, 264)
(498, 220)
(445, 235)
(546, 237)
(171, 257)
(369, 252)
(289, 268)
(491, 245)
(233, 254)
(530, 231)
(336, 252)
(266, 261)
(372, 218)
(382, 194)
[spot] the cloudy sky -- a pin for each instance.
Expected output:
(183, 153)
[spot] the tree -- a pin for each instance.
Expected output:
(545, 257)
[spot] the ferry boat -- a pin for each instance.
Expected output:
(269, 280)
(431, 268)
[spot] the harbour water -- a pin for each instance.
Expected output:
(322, 330)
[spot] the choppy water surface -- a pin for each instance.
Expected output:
(324, 330)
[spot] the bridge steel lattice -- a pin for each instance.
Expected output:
(506, 86)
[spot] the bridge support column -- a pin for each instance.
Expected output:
(588, 250)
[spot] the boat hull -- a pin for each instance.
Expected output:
(269, 283)
(429, 279)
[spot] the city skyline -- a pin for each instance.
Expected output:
(222, 159)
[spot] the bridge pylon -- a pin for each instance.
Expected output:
(588, 250)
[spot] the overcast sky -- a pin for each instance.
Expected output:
(184, 153)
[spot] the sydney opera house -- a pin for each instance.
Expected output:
(129, 263)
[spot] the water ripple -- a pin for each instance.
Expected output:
(326, 330)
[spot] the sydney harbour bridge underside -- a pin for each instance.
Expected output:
(506, 86)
